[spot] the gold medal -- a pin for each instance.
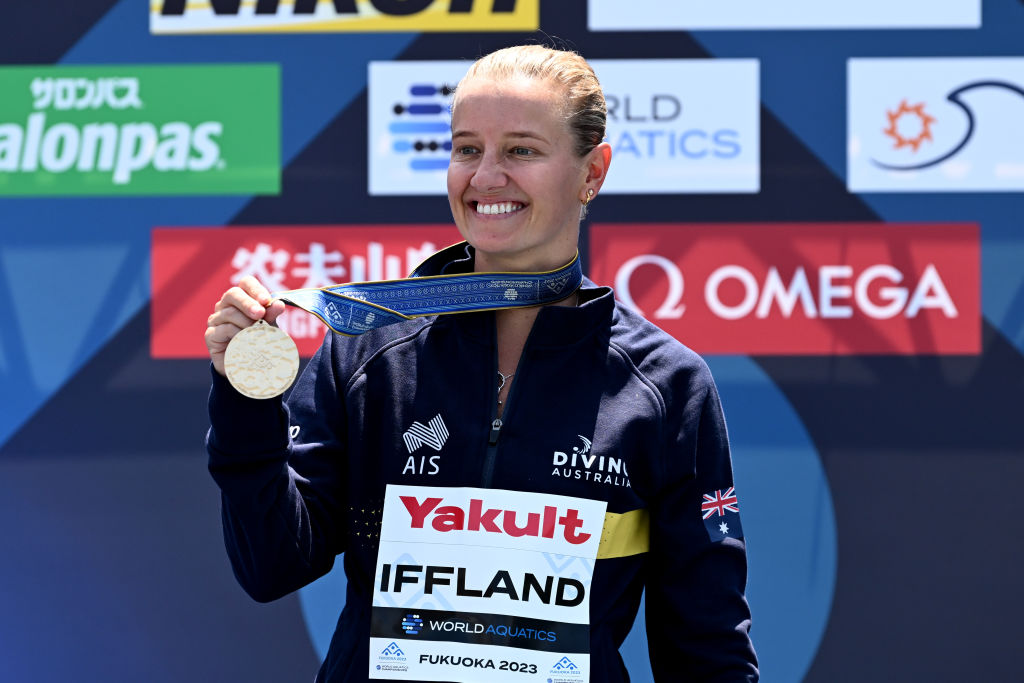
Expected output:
(261, 361)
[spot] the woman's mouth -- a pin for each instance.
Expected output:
(497, 208)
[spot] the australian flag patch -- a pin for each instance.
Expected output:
(721, 513)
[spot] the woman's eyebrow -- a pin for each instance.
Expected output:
(512, 134)
(527, 134)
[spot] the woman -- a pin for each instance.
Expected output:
(576, 403)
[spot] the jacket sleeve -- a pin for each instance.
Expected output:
(280, 471)
(698, 620)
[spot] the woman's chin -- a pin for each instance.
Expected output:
(493, 241)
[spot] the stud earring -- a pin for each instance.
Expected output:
(590, 196)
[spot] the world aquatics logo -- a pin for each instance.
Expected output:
(412, 624)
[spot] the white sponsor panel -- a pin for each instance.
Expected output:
(409, 125)
(467, 553)
(678, 125)
(471, 663)
(935, 125)
(658, 15)
(675, 126)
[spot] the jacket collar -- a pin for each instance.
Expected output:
(556, 326)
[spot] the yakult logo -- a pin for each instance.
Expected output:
(840, 288)
(543, 524)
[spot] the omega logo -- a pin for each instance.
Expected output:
(838, 286)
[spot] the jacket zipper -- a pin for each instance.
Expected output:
(491, 455)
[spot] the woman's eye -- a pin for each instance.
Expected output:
(522, 151)
(465, 150)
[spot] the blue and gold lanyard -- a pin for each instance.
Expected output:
(358, 307)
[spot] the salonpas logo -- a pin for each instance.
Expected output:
(205, 129)
(304, 16)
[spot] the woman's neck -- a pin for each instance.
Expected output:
(513, 329)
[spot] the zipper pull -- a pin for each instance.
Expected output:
(495, 430)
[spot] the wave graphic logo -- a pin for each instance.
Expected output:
(957, 126)
(925, 121)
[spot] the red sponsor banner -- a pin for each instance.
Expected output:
(193, 267)
(800, 289)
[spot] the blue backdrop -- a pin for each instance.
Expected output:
(878, 491)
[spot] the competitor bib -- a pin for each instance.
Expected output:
(484, 584)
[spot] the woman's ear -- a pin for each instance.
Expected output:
(597, 162)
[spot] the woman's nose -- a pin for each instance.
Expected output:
(489, 174)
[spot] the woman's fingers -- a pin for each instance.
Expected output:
(238, 308)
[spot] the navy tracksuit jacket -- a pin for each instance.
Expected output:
(304, 480)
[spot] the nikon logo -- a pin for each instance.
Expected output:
(139, 130)
(244, 16)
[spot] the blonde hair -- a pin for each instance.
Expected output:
(585, 110)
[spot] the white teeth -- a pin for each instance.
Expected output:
(500, 207)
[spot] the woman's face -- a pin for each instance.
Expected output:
(514, 182)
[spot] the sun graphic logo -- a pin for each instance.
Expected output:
(909, 126)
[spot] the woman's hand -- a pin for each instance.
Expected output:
(239, 308)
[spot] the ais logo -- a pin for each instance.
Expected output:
(303, 16)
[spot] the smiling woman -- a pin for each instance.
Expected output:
(517, 471)
(527, 152)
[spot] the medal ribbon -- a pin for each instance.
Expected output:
(358, 307)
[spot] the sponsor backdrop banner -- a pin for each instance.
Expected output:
(834, 289)
(674, 125)
(832, 217)
(305, 16)
(210, 260)
(936, 125)
(138, 129)
(656, 15)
